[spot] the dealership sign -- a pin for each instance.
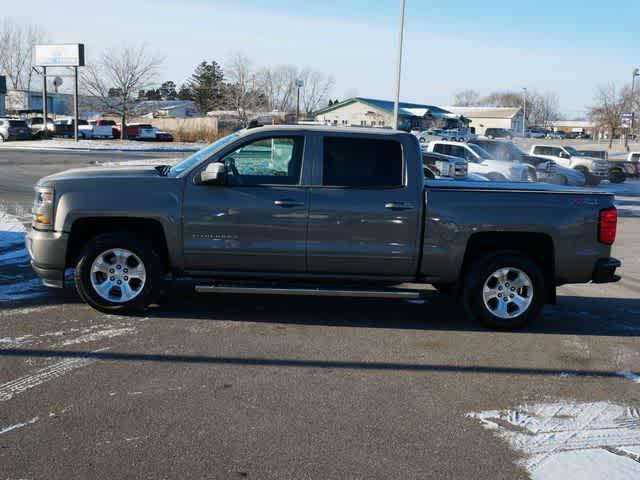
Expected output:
(64, 55)
(626, 119)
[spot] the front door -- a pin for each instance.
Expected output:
(364, 215)
(258, 221)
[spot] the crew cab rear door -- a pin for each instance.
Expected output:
(365, 206)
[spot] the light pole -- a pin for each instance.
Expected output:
(398, 66)
(299, 83)
(524, 113)
(636, 73)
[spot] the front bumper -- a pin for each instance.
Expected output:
(48, 252)
(605, 270)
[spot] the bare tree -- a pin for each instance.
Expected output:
(242, 91)
(315, 90)
(542, 109)
(502, 99)
(16, 52)
(115, 79)
(466, 98)
(609, 105)
(278, 85)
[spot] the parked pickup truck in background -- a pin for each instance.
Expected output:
(594, 169)
(481, 162)
(326, 211)
(95, 129)
(620, 166)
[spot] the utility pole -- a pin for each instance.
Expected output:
(636, 73)
(524, 114)
(45, 122)
(299, 83)
(398, 66)
(75, 104)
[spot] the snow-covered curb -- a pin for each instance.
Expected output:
(102, 145)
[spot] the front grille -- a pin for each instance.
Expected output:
(602, 169)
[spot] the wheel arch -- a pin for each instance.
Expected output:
(538, 246)
(84, 229)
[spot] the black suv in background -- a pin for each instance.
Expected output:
(498, 133)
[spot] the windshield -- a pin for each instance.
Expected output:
(481, 152)
(573, 151)
(206, 152)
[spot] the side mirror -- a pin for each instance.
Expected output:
(214, 174)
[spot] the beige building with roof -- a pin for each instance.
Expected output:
(490, 117)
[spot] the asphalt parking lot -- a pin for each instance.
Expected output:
(295, 388)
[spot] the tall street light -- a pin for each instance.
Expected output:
(299, 83)
(524, 113)
(636, 73)
(398, 66)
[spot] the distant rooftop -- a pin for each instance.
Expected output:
(486, 112)
(404, 108)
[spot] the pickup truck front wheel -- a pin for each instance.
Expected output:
(504, 290)
(118, 273)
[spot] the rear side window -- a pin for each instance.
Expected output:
(362, 162)
(635, 157)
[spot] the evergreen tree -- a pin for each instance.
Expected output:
(168, 90)
(185, 93)
(206, 86)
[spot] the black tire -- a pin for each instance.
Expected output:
(421, 139)
(480, 272)
(142, 248)
(617, 176)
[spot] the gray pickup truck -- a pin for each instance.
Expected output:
(303, 210)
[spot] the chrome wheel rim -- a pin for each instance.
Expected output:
(118, 275)
(507, 292)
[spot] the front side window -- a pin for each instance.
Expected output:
(362, 162)
(268, 161)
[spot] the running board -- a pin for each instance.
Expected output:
(313, 292)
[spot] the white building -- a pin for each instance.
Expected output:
(369, 112)
(490, 117)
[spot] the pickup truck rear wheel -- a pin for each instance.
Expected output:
(504, 290)
(118, 273)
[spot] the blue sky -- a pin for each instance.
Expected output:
(568, 47)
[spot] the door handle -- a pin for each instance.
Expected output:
(399, 206)
(288, 203)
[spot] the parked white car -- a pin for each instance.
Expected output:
(594, 169)
(481, 162)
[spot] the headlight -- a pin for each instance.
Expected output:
(43, 208)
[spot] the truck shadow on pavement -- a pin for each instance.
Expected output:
(573, 315)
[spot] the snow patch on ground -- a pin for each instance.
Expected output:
(105, 145)
(17, 280)
(100, 335)
(15, 387)
(9, 223)
(571, 440)
(631, 376)
(18, 425)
